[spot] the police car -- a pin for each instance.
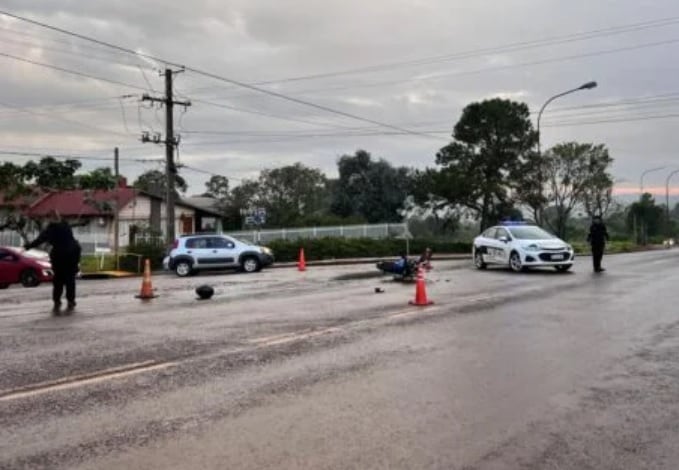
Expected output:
(521, 246)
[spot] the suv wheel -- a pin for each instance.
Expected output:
(250, 264)
(29, 278)
(183, 268)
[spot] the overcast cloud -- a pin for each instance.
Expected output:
(258, 41)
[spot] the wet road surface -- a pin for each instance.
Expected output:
(315, 370)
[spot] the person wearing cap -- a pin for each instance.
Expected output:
(597, 238)
(65, 258)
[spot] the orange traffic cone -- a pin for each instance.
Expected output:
(301, 265)
(420, 291)
(146, 287)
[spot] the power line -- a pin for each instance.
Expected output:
(514, 47)
(70, 71)
(62, 119)
(220, 78)
(266, 114)
(74, 157)
(494, 69)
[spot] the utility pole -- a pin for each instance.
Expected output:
(171, 142)
(116, 213)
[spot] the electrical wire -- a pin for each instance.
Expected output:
(222, 78)
(70, 71)
(74, 157)
(481, 52)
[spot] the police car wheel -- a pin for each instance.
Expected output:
(478, 260)
(515, 262)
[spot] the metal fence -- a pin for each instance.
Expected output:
(345, 231)
(97, 243)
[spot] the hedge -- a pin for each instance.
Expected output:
(337, 248)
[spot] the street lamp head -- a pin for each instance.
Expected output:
(588, 86)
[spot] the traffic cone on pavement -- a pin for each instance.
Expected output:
(301, 265)
(420, 291)
(146, 286)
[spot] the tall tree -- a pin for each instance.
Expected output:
(492, 141)
(155, 182)
(290, 193)
(371, 189)
(100, 178)
(575, 174)
(217, 187)
(645, 213)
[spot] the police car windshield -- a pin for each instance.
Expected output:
(530, 233)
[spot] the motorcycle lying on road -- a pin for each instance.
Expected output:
(396, 269)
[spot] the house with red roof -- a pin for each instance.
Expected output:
(141, 215)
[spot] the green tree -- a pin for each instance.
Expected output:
(647, 217)
(373, 190)
(100, 178)
(575, 174)
(290, 193)
(235, 202)
(492, 141)
(155, 182)
(52, 174)
(217, 187)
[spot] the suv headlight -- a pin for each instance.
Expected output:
(267, 250)
(569, 247)
(532, 247)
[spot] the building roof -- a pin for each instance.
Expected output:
(207, 205)
(82, 202)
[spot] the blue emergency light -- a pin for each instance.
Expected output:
(513, 222)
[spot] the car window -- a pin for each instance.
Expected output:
(490, 233)
(196, 243)
(501, 232)
(531, 233)
(221, 242)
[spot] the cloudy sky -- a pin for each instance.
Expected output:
(409, 64)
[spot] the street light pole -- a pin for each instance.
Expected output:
(584, 86)
(667, 198)
(642, 225)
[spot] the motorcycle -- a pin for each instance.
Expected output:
(396, 270)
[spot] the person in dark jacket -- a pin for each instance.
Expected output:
(597, 238)
(65, 258)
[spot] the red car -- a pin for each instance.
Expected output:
(29, 268)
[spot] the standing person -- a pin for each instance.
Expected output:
(597, 238)
(64, 256)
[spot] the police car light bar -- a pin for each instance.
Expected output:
(513, 222)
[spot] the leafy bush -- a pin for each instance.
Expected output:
(154, 251)
(338, 248)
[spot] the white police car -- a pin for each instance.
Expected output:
(521, 246)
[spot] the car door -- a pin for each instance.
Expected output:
(10, 267)
(488, 245)
(502, 245)
(200, 251)
(223, 252)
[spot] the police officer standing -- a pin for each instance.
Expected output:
(65, 258)
(597, 238)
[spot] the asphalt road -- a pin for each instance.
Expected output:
(315, 370)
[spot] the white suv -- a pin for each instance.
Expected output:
(193, 253)
(521, 246)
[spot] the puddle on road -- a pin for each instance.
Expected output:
(357, 276)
